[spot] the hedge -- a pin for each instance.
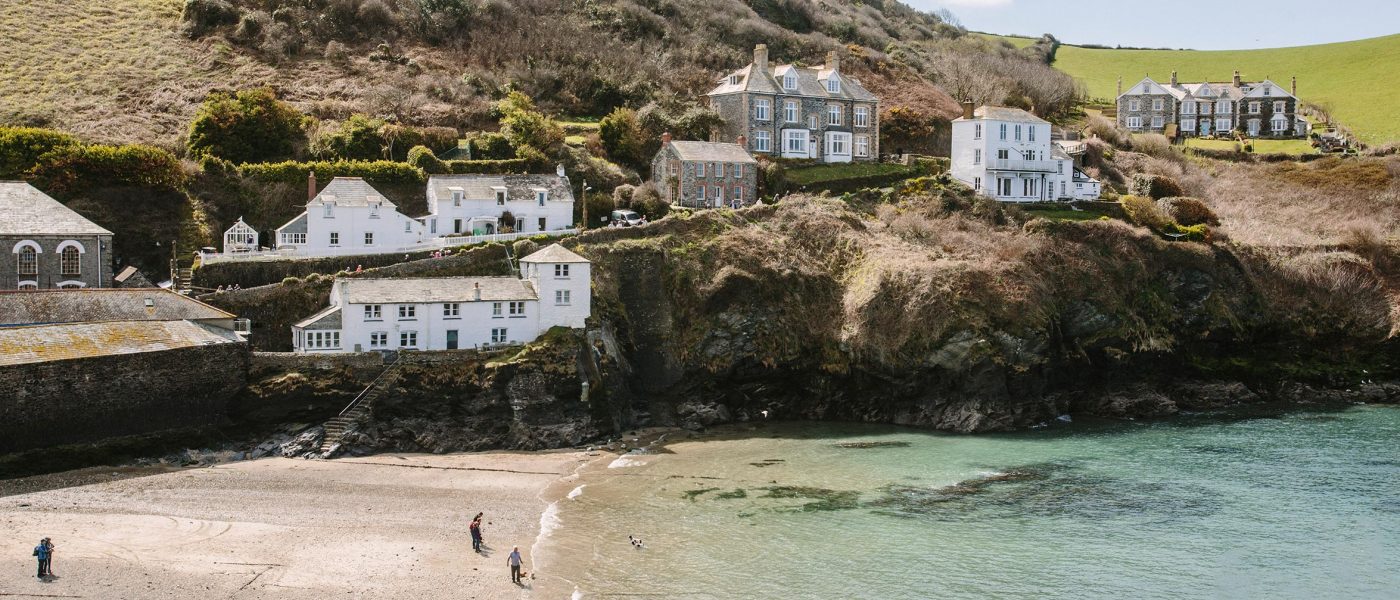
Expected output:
(380, 171)
(21, 147)
(510, 165)
(68, 168)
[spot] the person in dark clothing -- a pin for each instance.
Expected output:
(41, 552)
(476, 533)
(48, 565)
(514, 561)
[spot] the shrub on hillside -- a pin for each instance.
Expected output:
(524, 247)
(293, 172)
(1107, 130)
(1187, 211)
(646, 200)
(203, 16)
(513, 165)
(67, 169)
(21, 147)
(249, 126)
(357, 138)
(599, 207)
(491, 146)
(1155, 186)
(525, 126)
(1152, 144)
(1142, 211)
(423, 158)
(623, 138)
(622, 195)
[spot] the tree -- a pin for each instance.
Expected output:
(249, 126)
(525, 126)
(359, 137)
(623, 138)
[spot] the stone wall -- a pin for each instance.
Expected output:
(85, 400)
(95, 262)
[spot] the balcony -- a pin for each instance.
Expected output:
(1012, 164)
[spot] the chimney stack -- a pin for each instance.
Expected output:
(310, 186)
(1293, 87)
(743, 142)
(833, 60)
(665, 138)
(476, 291)
(1120, 85)
(967, 108)
(760, 58)
(1173, 77)
(1237, 79)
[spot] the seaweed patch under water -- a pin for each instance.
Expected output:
(691, 495)
(823, 499)
(767, 462)
(866, 445)
(737, 493)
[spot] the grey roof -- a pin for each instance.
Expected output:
(296, 225)
(554, 253)
(327, 318)
(1003, 113)
(712, 151)
(483, 187)
(1057, 153)
(350, 191)
(810, 82)
(25, 210)
(69, 341)
(358, 290)
(102, 304)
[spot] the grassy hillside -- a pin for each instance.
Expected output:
(1352, 80)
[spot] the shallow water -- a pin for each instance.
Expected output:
(1294, 506)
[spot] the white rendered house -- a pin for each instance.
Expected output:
(450, 313)
(479, 204)
(349, 217)
(1006, 153)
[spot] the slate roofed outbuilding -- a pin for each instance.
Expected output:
(358, 290)
(24, 210)
(102, 304)
(70, 341)
(554, 253)
(350, 191)
(712, 151)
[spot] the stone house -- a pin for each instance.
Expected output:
(449, 313)
(705, 174)
(348, 217)
(798, 112)
(1258, 109)
(1007, 154)
(50, 245)
(477, 204)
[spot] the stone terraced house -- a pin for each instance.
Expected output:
(1258, 109)
(798, 112)
(705, 174)
(50, 246)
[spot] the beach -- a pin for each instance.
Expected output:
(385, 526)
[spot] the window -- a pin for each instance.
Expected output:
(718, 169)
(495, 310)
(1134, 122)
(500, 197)
(1003, 186)
(838, 144)
(408, 339)
(374, 312)
(761, 141)
(699, 169)
(1028, 187)
(811, 121)
(795, 141)
(734, 80)
(369, 238)
(517, 309)
(1156, 121)
(329, 210)
(456, 197)
(1278, 106)
(1030, 133)
(1003, 131)
(1134, 105)
(1188, 108)
(862, 118)
(1156, 104)
(737, 170)
(1222, 106)
(1253, 108)
(451, 310)
(561, 271)
(790, 111)
(1278, 123)
(833, 85)
(1254, 127)
(833, 115)
(322, 339)
(374, 210)
(738, 194)
(335, 238)
(700, 193)
(407, 226)
(28, 261)
(541, 196)
(561, 297)
(1222, 124)
(760, 110)
(1188, 124)
(976, 156)
(379, 339)
(1003, 154)
(408, 312)
(789, 81)
(1018, 133)
(456, 226)
(862, 145)
(294, 238)
(977, 131)
(1062, 187)
(498, 335)
(543, 224)
(28, 286)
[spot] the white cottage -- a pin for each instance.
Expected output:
(482, 204)
(450, 313)
(349, 217)
(1006, 153)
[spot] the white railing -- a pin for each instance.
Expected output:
(283, 253)
(1013, 164)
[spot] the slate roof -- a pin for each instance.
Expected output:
(554, 253)
(25, 210)
(483, 187)
(327, 318)
(810, 82)
(1003, 113)
(296, 225)
(102, 304)
(350, 191)
(712, 151)
(359, 290)
(68, 341)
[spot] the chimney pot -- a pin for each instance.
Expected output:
(1173, 77)
(967, 108)
(476, 291)
(310, 186)
(743, 142)
(1236, 80)
(760, 57)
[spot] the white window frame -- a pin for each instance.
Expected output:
(976, 156)
(408, 312)
(1134, 104)
(862, 116)
(369, 238)
(1003, 131)
(374, 312)
(1254, 108)
(334, 238)
(501, 196)
(1157, 104)
(1030, 133)
(499, 335)
(833, 85)
(1188, 108)
(863, 146)
(789, 81)
(699, 169)
(976, 131)
(562, 297)
(1134, 122)
(799, 136)
(1188, 124)
(379, 339)
(408, 339)
(1222, 107)
(791, 112)
(561, 271)
(329, 210)
(456, 197)
(834, 114)
(762, 141)
(1278, 123)
(761, 108)
(541, 196)
(294, 238)
(976, 184)
(31, 266)
(515, 308)
(1280, 106)
(374, 210)
(1157, 121)
(451, 310)
(838, 143)
(1222, 123)
(496, 310)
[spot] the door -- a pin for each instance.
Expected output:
(451, 339)
(542, 224)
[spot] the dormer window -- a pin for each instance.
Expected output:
(374, 210)
(541, 196)
(500, 196)
(1266, 90)
(456, 197)
(789, 81)
(329, 209)
(833, 85)
(734, 79)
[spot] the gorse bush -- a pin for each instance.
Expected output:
(624, 139)
(248, 126)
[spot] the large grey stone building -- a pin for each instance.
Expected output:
(50, 246)
(798, 112)
(1257, 109)
(705, 174)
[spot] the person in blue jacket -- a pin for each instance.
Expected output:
(42, 553)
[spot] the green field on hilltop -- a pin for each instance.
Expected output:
(1353, 80)
(1016, 40)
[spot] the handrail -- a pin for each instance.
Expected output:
(371, 386)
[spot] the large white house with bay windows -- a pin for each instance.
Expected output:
(450, 313)
(1006, 153)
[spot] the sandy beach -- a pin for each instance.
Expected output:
(386, 526)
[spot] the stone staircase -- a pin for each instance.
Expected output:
(336, 428)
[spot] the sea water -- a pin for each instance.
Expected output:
(1297, 505)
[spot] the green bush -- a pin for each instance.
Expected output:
(491, 146)
(1155, 186)
(489, 167)
(525, 126)
(423, 158)
(70, 168)
(525, 247)
(202, 16)
(357, 138)
(21, 147)
(646, 200)
(1142, 211)
(380, 171)
(1188, 211)
(624, 139)
(250, 126)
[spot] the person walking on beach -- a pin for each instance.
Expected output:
(476, 533)
(48, 565)
(514, 561)
(41, 552)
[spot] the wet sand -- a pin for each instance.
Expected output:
(386, 526)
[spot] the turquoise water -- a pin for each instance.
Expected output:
(1300, 505)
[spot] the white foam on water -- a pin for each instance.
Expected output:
(549, 521)
(623, 462)
(578, 491)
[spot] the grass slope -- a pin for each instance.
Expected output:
(1353, 80)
